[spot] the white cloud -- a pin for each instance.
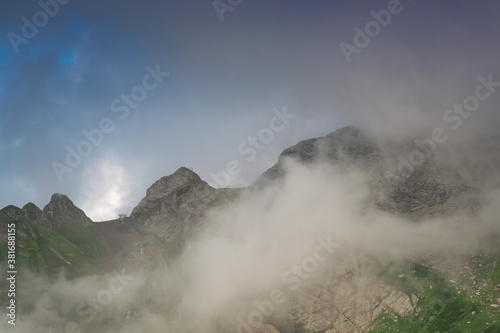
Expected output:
(105, 188)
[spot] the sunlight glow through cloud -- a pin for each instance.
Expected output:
(105, 189)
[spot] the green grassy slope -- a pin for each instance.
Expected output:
(447, 302)
(66, 245)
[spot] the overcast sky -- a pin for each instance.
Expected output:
(161, 84)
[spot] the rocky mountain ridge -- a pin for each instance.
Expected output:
(436, 185)
(171, 212)
(175, 208)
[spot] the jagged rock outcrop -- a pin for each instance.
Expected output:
(172, 212)
(165, 186)
(346, 145)
(175, 205)
(61, 207)
(22, 218)
(432, 186)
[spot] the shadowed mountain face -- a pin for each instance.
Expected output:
(61, 208)
(346, 146)
(356, 292)
(438, 182)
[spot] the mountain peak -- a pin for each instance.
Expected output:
(345, 132)
(61, 207)
(58, 199)
(168, 184)
(32, 211)
(347, 143)
(11, 212)
(186, 172)
(31, 206)
(175, 206)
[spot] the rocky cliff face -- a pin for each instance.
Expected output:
(174, 206)
(172, 212)
(61, 208)
(347, 145)
(22, 218)
(434, 186)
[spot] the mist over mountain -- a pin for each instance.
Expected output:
(233, 166)
(349, 232)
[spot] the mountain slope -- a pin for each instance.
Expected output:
(353, 291)
(60, 236)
